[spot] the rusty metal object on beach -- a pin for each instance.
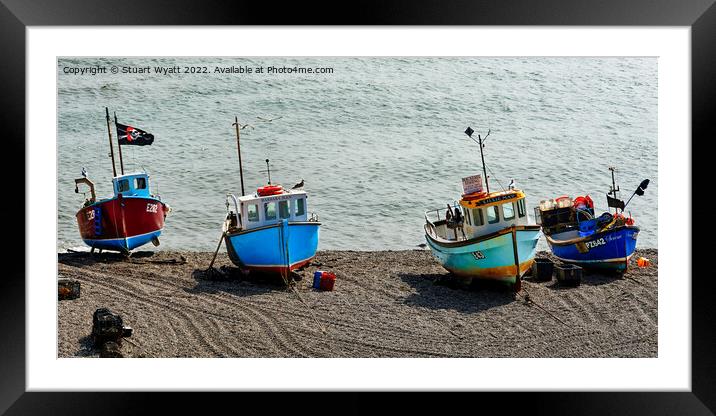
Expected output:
(68, 289)
(108, 327)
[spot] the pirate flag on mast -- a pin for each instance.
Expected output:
(130, 135)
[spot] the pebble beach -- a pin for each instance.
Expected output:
(384, 304)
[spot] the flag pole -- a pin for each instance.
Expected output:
(119, 145)
(238, 146)
(111, 148)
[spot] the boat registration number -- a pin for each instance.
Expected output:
(90, 215)
(478, 255)
(151, 207)
(595, 243)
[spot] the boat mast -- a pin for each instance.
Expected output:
(482, 155)
(238, 146)
(480, 140)
(268, 169)
(111, 148)
(614, 189)
(119, 145)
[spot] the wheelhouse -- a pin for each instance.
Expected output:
(494, 212)
(134, 184)
(482, 214)
(261, 211)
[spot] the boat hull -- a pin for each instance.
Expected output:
(490, 257)
(610, 250)
(121, 223)
(277, 248)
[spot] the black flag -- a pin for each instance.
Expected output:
(615, 203)
(133, 136)
(642, 187)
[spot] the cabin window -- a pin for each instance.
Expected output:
(253, 211)
(141, 183)
(508, 211)
(492, 214)
(283, 210)
(270, 210)
(300, 207)
(477, 217)
(521, 208)
(123, 185)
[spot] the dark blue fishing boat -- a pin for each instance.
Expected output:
(576, 235)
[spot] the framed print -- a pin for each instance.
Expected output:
(467, 198)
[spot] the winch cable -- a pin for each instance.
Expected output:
(290, 284)
(528, 300)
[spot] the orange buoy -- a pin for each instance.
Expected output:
(643, 262)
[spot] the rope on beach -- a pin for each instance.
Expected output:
(285, 275)
(529, 301)
(310, 311)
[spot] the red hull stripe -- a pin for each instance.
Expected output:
(108, 220)
(278, 269)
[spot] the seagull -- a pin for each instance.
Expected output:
(84, 172)
(422, 245)
(512, 184)
(298, 185)
(247, 125)
(268, 120)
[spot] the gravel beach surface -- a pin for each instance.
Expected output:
(384, 304)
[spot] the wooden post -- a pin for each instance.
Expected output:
(238, 146)
(111, 147)
(216, 252)
(518, 283)
(119, 145)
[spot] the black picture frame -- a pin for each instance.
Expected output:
(15, 15)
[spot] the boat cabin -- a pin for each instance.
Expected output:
(492, 212)
(259, 210)
(482, 214)
(132, 184)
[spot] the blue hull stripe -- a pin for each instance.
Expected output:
(265, 247)
(611, 249)
(488, 259)
(123, 244)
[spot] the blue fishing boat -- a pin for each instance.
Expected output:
(576, 235)
(485, 235)
(270, 230)
(273, 231)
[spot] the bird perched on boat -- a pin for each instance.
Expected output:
(512, 184)
(84, 172)
(298, 185)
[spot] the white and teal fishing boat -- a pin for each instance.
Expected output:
(485, 235)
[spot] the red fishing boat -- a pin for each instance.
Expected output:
(132, 216)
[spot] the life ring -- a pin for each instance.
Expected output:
(473, 196)
(583, 201)
(269, 190)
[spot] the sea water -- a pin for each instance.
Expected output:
(377, 140)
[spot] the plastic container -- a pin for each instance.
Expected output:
(542, 270)
(569, 274)
(564, 202)
(328, 279)
(317, 279)
(546, 204)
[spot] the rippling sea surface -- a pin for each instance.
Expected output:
(378, 141)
